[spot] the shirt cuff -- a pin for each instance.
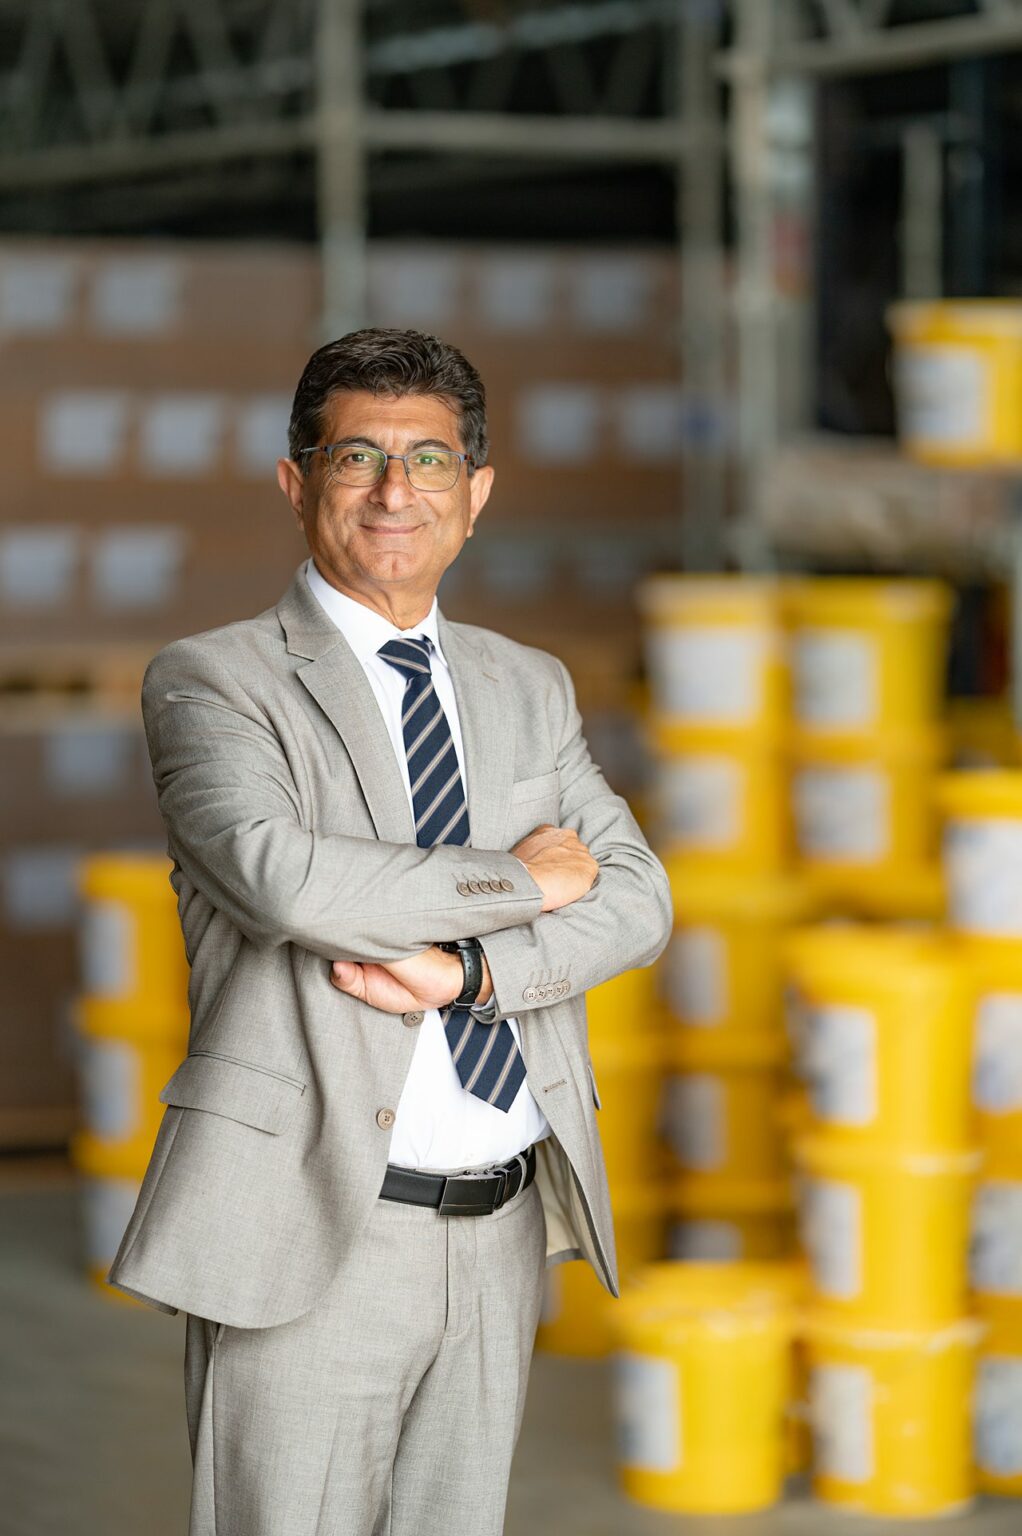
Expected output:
(486, 1013)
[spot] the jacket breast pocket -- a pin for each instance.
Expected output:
(237, 1090)
(533, 802)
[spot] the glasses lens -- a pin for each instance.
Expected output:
(355, 465)
(433, 469)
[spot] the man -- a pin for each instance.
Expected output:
(376, 1142)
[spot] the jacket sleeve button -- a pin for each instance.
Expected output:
(463, 889)
(507, 885)
(412, 1019)
(385, 1119)
(474, 887)
(486, 885)
(529, 994)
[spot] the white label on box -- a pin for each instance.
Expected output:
(942, 395)
(83, 432)
(137, 567)
(109, 1078)
(648, 1403)
(108, 949)
(137, 296)
(516, 292)
(181, 435)
(650, 423)
(37, 565)
(87, 760)
(984, 870)
(995, 1253)
(701, 801)
(696, 1125)
(696, 976)
(261, 433)
(832, 1232)
(611, 294)
(839, 1062)
(413, 287)
(708, 1240)
(998, 1415)
(841, 1412)
(107, 1206)
(997, 1065)
(36, 294)
(835, 679)
(710, 676)
(40, 887)
(842, 813)
(558, 423)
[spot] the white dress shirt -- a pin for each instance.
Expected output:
(439, 1125)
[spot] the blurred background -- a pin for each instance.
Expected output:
(744, 282)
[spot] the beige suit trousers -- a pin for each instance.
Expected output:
(390, 1409)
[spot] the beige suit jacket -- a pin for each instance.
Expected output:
(293, 845)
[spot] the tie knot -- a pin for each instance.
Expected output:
(409, 654)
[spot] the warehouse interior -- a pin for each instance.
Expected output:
(743, 279)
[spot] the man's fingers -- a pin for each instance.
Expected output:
(347, 976)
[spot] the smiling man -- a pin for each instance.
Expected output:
(398, 871)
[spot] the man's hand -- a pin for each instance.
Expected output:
(431, 979)
(559, 862)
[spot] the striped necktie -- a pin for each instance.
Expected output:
(488, 1062)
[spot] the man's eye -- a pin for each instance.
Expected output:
(355, 456)
(427, 460)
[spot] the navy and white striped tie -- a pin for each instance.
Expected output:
(488, 1062)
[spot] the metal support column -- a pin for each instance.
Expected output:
(341, 191)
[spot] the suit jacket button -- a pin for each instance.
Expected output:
(463, 889)
(411, 1019)
(385, 1119)
(530, 994)
(486, 885)
(507, 885)
(474, 887)
(542, 992)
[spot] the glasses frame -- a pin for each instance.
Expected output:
(328, 448)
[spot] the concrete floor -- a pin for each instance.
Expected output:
(92, 1437)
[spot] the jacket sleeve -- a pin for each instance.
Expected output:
(624, 921)
(228, 794)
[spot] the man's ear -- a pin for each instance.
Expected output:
(480, 486)
(292, 483)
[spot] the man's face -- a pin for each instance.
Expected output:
(387, 542)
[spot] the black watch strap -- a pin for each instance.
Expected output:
(471, 952)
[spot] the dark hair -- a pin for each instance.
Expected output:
(389, 362)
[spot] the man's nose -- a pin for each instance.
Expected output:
(392, 488)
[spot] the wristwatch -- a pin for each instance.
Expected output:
(471, 952)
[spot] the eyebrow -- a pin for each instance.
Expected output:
(422, 442)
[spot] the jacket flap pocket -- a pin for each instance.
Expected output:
(235, 1090)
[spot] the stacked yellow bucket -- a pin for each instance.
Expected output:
(718, 669)
(983, 857)
(132, 1028)
(887, 1169)
(626, 1045)
(868, 661)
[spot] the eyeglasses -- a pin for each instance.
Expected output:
(428, 469)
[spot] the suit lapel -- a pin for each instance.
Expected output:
(488, 733)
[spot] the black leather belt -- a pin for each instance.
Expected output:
(461, 1194)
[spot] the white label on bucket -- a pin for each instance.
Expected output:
(701, 800)
(706, 1239)
(832, 1231)
(109, 1077)
(696, 976)
(942, 394)
(835, 679)
(842, 813)
(839, 1063)
(984, 869)
(648, 1412)
(107, 949)
(995, 1254)
(695, 1120)
(841, 1411)
(997, 1066)
(107, 1208)
(998, 1420)
(708, 675)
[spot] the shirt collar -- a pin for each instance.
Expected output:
(365, 630)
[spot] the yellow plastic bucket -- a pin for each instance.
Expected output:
(723, 808)
(994, 973)
(886, 1233)
(109, 1179)
(715, 653)
(983, 852)
(725, 1220)
(982, 733)
(625, 1006)
(722, 970)
(629, 1073)
(120, 1081)
(133, 958)
(866, 827)
(578, 1314)
(997, 1419)
(890, 1416)
(885, 1036)
(958, 380)
(868, 655)
(720, 1106)
(703, 1383)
